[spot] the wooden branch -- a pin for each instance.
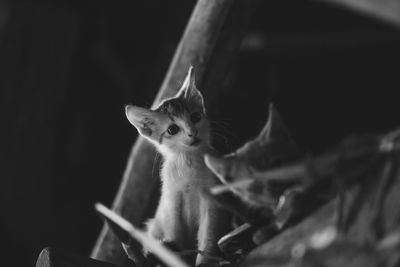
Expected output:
(210, 41)
(152, 245)
(284, 47)
(386, 10)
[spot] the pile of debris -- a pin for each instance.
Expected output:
(335, 209)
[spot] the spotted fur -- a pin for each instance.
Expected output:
(175, 107)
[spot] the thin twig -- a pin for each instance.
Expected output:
(152, 245)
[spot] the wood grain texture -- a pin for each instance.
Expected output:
(385, 10)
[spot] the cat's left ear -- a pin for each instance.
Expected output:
(189, 91)
(274, 128)
(143, 119)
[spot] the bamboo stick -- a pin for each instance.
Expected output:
(152, 245)
(209, 43)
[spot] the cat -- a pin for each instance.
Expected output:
(180, 131)
(272, 147)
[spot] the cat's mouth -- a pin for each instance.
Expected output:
(195, 142)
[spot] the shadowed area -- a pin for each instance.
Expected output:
(67, 68)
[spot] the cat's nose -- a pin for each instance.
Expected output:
(193, 133)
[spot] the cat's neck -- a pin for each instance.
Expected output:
(170, 155)
(187, 156)
(181, 171)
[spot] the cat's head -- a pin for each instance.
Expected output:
(178, 124)
(272, 147)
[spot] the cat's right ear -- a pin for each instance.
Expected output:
(189, 91)
(141, 118)
(274, 128)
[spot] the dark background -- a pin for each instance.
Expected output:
(67, 68)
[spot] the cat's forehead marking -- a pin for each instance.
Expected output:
(175, 107)
(171, 118)
(160, 139)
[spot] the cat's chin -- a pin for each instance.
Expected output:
(194, 145)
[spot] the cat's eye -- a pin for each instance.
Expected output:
(195, 117)
(173, 129)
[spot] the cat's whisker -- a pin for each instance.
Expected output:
(219, 189)
(151, 244)
(216, 134)
(224, 130)
(225, 121)
(220, 124)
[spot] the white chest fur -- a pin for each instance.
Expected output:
(185, 171)
(181, 206)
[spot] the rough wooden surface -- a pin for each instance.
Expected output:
(210, 41)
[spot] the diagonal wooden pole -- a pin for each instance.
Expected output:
(385, 10)
(210, 41)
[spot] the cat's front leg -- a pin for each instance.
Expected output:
(154, 229)
(214, 223)
(165, 226)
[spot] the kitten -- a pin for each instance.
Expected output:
(180, 131)
(269, 149)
